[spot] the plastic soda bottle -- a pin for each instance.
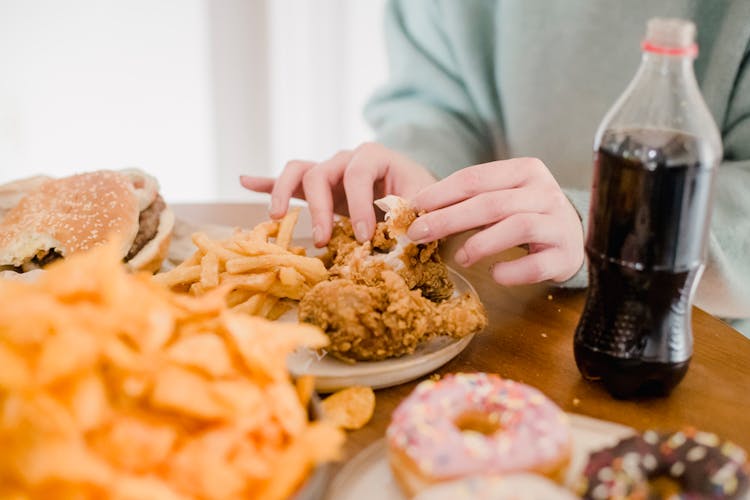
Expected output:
(655, 155)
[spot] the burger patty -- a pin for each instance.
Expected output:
(39, 261)
(148, 225)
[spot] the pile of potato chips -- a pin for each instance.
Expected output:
(112, 386)
(260, 269)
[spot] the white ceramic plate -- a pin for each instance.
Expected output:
(368, 475)
(332, 374)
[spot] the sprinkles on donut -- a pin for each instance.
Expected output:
(475, 423)
(683, 464)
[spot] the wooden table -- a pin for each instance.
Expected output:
(530, 339)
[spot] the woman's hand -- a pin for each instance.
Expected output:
(346, 184)
(512, 202)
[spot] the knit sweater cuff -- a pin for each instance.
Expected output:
(580, 199)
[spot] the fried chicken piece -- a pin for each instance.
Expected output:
(388, 295)
(368, 323)
(425, 271)
(419, 264)
(360, 319)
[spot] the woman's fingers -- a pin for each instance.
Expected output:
(551, 258)
(346, 183)
(288, 182)
(321, 209)
(318, 183)
(532, 268)
(471, 181)
(266, 185)
(373, 171)
(510, 232)
(516, 202)
(257, 184)
(479, 211)
(368, 164)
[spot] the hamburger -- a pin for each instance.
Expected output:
(11, 193)
(55, 218)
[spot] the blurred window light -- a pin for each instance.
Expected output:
(194, 91)
(327, 57)
(91, 84)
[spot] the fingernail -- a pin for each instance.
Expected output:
(360, 231)
(418, 231)
(461, 258)
(317, 234)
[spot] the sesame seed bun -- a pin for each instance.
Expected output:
(13, 192)
(64, 216)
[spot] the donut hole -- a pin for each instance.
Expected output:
(476, 421)
(664, 486)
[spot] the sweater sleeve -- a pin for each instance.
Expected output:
(580, 199)
(724, 289)
(425, 111)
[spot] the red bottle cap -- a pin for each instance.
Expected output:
(670, 37)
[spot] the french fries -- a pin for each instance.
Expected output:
(259, 269)
(113, 387)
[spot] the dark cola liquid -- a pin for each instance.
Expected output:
(650, 208)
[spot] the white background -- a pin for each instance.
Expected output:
(194, 91)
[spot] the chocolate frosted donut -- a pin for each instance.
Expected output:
(693, 464)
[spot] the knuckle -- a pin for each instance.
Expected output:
(309, 177)
(535, 165)
(557, 199)
(525, 228)
(538, 270)
(296, 165)
(470, 180)
(351, 175)
(569, 265)
(368, 148)
(474, 248)
(497, 207)
(342, 155)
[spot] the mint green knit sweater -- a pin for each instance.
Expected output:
(477, 80)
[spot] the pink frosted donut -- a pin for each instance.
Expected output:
(475, 423)
(514, 486)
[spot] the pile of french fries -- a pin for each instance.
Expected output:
(259, 270)
(112, 387)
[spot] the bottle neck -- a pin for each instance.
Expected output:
(664, 95)
(666, 65)
(665, 78)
